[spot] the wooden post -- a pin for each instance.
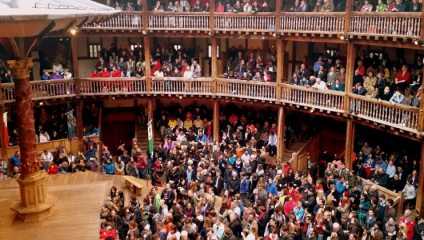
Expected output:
(213, 62)
(216, 120)
(420, 198)
(80, 126)
(280, 134)
(278, 7)
(422, 25)
(212, 15)
(420, 125)
(75, 56)
(350, 139)
(150, 117)
(3, 140)
(100, 146)
(147, 62)
(347, 16)
(144, 8)
(200, 62)
(281, 46)
(350, 72)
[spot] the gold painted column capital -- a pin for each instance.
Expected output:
(20, 68)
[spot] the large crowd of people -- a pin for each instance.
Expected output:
(381, 79)
(254, 6)
(233, 189)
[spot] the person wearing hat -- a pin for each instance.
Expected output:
(147, 234)
(309, 199)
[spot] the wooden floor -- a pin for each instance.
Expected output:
(76, 214)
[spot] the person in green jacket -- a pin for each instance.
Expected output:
(337, 86)
(157, 198)
(380, 6)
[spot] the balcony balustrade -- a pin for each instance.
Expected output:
(244, 22)
(385, 24)
(381, 112)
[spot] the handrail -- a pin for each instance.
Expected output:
(383, 112)
(397, 25)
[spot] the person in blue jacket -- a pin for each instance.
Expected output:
(15, 160)
(364, 206)
(110, 167)
(271, 187)
(201, 137)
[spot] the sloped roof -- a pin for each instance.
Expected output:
(21, 10)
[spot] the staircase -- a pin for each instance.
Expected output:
(293, 148)
(142, 141)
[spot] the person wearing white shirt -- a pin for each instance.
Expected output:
(272, 144)
(180, 136)
(46, 157)
(391, 169)
(44, 137)
(247, 7)
(409, 193)
(195, 66)
(251, 235)
(319, 84)
(245, 157)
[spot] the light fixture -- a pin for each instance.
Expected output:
(313, 109)
(274, 34)
(41, 103)
(181, 97)
(73, 31)
(342, 37)
(144, 32)
(418, 42)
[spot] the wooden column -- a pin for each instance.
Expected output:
(80, 132)
(347, 16)
(144, 9)
(350, 140)
(350, 72)
(3, 140)
(150, 117)
(420, 125)
(278, 6)
(280, 134)
(420, 198)
(200, 62)
(212, 15)
(147, 62)
(75, 56)
(422, 25)
(214, 63)
(216, 120)
(281, 46)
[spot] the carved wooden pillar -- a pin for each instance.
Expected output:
(350, 139)
(147, 63)
(35, 204)
(350, 71)
(214, 63)
(420, 198)
(216, 120)
(280, 134)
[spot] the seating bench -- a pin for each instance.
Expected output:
(133, 184)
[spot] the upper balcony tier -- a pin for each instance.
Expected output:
(342, 26)
(400, 118)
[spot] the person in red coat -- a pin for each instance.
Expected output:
(403, 78)
(105, 73)
(289, 205)
(156, 66)
(52, 168)
(409, 222)
(94, 74)
(115, 72)
(107, 232)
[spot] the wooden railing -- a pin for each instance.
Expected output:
(312, 22)
(404, 24)
(384, 112)
(197, 86)
(176, 21)
(315, 98)
(111, 86)
(246, 89)
(42, 89)
(123, 20)
(245, 21)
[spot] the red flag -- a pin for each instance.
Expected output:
(6, 134)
